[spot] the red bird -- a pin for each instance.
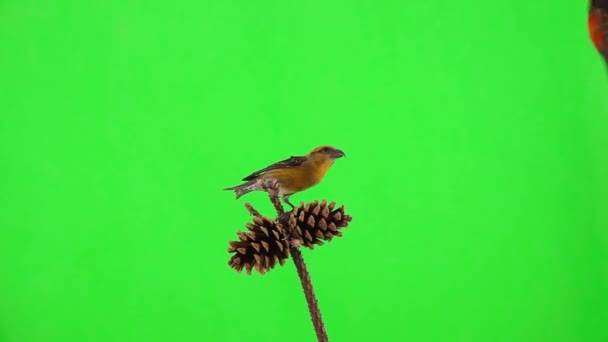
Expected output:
(597, 23)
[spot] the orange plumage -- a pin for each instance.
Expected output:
(294, 174)
(597, 24)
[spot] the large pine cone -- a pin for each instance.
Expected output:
(262, 247)
(315, 222)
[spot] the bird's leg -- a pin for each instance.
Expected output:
(286, 200)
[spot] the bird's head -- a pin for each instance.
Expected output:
(326, 152)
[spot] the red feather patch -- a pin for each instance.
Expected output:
(595, 30)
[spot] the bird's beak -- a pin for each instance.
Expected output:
(338, 154)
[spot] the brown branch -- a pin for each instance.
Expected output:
(298, 260)
(272, 187)
(252, 210)
(309, 292)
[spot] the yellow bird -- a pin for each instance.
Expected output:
(294, 174)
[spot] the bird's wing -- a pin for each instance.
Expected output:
(290, 162)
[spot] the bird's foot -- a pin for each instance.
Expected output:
(286, 200)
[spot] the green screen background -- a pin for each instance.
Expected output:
(476, 136)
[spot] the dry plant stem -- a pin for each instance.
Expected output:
(309, 292)
(296, 255)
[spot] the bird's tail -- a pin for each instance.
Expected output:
(244, 188)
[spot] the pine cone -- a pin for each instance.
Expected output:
(262, 247)
(315, 222)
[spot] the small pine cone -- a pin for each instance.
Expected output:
(315, 222)
(261, 247)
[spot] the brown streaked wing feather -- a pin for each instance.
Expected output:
(290, 162)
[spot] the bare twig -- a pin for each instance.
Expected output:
(251, 210)
(272, 187)
(309, 292)
(313, 306)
